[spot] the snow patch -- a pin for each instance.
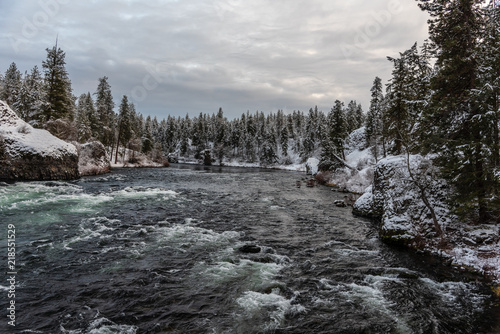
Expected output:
(20, 137)
(312, 166)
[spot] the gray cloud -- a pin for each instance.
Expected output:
(178, 57)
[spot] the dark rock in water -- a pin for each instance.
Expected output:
(250, 249)
(340, 204)
(33, 154)
(311, 183)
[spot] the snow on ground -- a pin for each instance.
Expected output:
(398, 203)
(359, 157)
(93, 159)
(133, 159)
(20, 137)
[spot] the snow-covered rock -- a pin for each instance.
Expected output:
(93, 159)
(396, 199)
(312, 166)
(27, 153)
(356, 140)
(364, 205)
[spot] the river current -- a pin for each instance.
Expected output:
(192, 249)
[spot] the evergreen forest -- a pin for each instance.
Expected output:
(442, 100)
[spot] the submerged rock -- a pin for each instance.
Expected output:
(340, 204)
(27, 153)
(250, 249)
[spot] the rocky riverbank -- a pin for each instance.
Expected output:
(411, 203)
(27, 153)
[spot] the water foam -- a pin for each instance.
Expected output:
(103, 326)
(90, 229)
(183, 237)
(142, 192)
(249, 274)
(266, 311)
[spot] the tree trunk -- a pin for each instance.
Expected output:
(480, 186)
(117, 144)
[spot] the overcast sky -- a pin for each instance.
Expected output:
(191, 56)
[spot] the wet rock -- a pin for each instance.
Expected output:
(249, 249)
(340, 204)
(33, 154)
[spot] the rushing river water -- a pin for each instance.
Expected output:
(217, 250)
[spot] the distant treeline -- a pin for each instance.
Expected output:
(443, 99)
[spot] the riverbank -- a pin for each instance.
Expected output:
(410, 203)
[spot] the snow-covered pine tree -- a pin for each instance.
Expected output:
(284, 141)
(334, 134)
(82, 119)
(60, 102)
(406, 95)
(104, 106)
(220, 133)
(489, 77)
(235, 130)
(10, 87)
(147, 137)
(251, 147)
(198, 136)
(374, 119)
(124, 126)
(171, 134)
(31, 98)
(310, 136)
(460, 122)
(184, 134)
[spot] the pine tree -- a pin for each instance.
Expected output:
(460, 124)
(268, 152)
(31, 98)
(284, 141)
(489, 78)
(220, 135)
(235, 136)
(82, 119)
(104, 106)
(406, 96)
(124, 125)
(354, 116)
(60, 102)
(10, 87)
(334, 134)
(311, 135)
(184, 133)
(250, 140)
(147, 137)
(360, 117)
(374, 119)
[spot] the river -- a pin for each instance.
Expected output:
(192, 249)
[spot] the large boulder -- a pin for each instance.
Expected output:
(93, 159)
(27, 153)
(396, 199)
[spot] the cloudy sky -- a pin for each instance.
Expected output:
(191, 56)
